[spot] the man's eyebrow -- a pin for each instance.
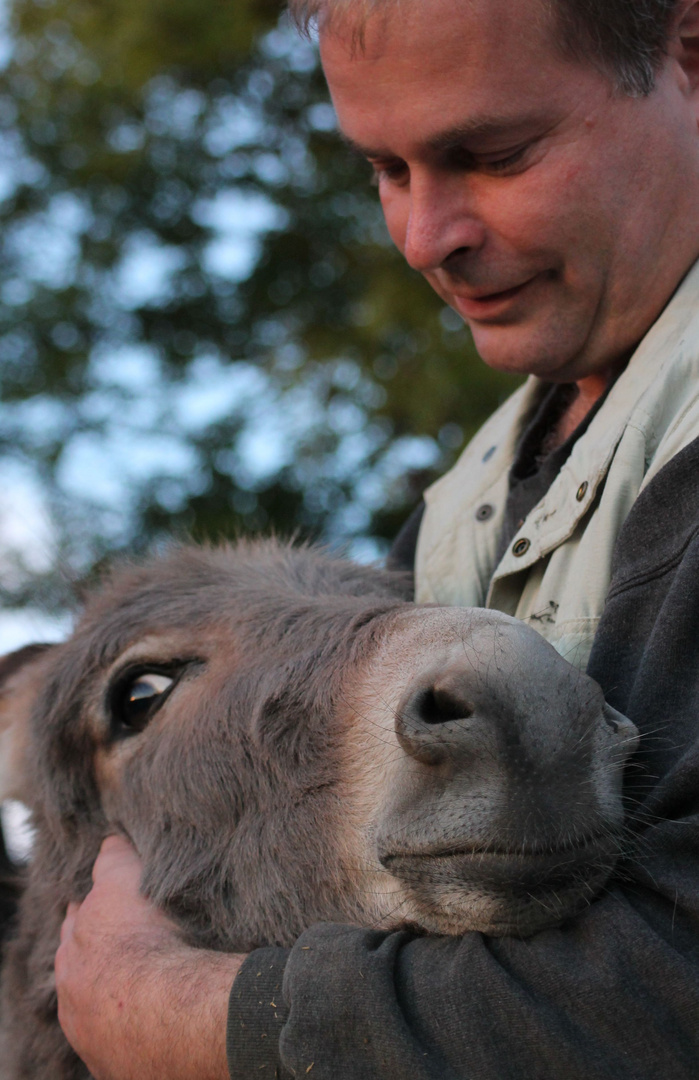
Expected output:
(363, 151)
(453, 138)
(479, 127)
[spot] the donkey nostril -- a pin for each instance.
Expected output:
(437, 706)
(439, 701)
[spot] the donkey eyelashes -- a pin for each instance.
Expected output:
(139, 689)
(137, 694)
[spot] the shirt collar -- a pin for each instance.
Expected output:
(568, 499)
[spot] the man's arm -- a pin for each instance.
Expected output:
(134, 1001)
(615, 994)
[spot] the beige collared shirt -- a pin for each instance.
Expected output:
(556, 572)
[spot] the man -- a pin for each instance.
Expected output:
(539, 164)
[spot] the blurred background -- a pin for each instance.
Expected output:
(204, 330)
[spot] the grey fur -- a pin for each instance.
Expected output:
(295, 774)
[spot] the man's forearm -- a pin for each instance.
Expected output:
(161, 1016)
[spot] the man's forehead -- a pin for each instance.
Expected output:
(476, 128)
(352, 18)
(366, 29)
(444, 75)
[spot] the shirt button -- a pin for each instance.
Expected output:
(521, 547)
(582, 491)
(485, 512)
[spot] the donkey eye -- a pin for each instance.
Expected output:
(137, 701)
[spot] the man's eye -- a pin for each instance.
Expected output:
(136, 700)
(504, 164)
(395, 172)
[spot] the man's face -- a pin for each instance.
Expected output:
(553, 213)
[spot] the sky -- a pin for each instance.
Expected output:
(145, 429)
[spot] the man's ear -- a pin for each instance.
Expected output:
(683, 44)
(21, 678)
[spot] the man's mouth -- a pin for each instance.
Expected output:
(485, 304)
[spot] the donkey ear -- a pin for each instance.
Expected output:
(21, 679)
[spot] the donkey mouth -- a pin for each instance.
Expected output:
(505, 892)
(553, 847)
(510, 871)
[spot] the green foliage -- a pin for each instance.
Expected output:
(315, 386)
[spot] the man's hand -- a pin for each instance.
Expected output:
(134, 1001)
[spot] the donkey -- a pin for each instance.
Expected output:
(286, 739)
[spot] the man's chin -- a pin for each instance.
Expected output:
(521, 350)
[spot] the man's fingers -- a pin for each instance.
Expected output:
(69, 921)
(117, 858)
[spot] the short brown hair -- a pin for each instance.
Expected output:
(626, 37)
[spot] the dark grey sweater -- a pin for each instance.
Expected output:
(613, 995)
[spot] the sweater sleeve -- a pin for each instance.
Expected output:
(611, 995)
(614, 995)
(257, 1012)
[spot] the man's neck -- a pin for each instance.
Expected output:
(589, 390)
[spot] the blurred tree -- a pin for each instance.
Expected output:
(203, 326)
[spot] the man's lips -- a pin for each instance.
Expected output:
(477, 306)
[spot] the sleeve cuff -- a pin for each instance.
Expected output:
(257, 1012)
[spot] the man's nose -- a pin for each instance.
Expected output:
(442, 222)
